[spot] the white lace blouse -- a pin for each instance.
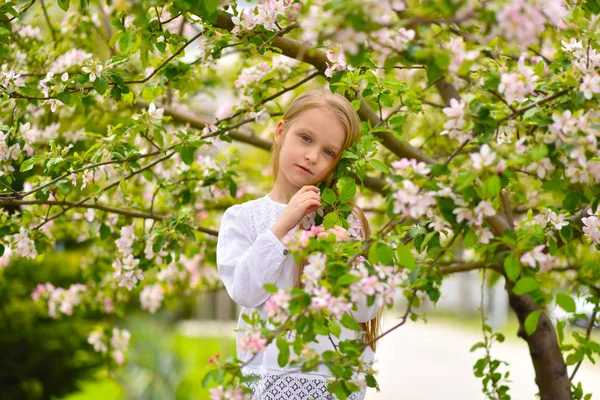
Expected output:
(249, 255)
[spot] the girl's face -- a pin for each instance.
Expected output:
(310, 147)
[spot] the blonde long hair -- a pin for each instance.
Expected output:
(341, 108)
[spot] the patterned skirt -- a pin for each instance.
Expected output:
(294, 387)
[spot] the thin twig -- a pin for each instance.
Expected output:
(48, 22)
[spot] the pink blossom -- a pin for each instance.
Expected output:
(277, 303)
(125, 242)
(155, 113)
(482, 210)
(224, 110)
(521, 21)
(592, 227)
(97, 339)
(151, 297)
(536, 255)
(252, 342)
(572, 45)
(314, 269)
(404, 167)
(484, 158)
(590, 86)
(24, 246)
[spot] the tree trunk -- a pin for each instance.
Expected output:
(550, 370)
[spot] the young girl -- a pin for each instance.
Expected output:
(309, 141)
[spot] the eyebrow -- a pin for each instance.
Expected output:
(335, 148)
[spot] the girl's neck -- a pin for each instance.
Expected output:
(282, 192)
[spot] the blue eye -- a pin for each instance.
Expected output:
(304, 136)
(329, 153)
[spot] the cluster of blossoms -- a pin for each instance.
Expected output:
(59, 299)
(313, 270)
(220, 393)
(384, 285)
(251, 75)
(549, 221)
(459, 54)
(517, 85)
(23, 246)
(486, 158)
(33, 135)
(58, 86)
(537, 256)
(338, 62)
(298, 238)
(151, 297)
(405, 167)
(591, 227)
(523, 20)
(9, 80)
(71, 58)
(7, 155)
(266, 15)
(410, 201)
(321, 299)
(317, 22)
(277, 305)
(119, 342)
(27, 31)
(475, 218)
(587, 61)
(252, 342)
(387, 41)
(456, 121)
(126, 271)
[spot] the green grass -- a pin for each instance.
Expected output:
(154, 341)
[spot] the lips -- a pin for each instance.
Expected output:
(303, 168)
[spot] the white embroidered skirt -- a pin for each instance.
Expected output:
(294, 387)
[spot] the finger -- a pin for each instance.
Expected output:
(309, 188)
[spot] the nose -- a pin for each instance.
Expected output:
(311, 155)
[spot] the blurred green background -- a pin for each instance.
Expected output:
(43, 358)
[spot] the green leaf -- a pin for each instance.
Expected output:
(29, 163)
(270, 288)
(349, 322)
(347, 189)
(104, 231)
(158, 243)
(493, 185)
(347, 279)
(330, 220)
(470, 239)
(525, 285)
(1, 249)
(187, 154)
(64, 4)
(531, 322)
(328, 196)
(512, 267)
(207, 378)
(566, 302)
(334, 329)
(380, 166)
(385, 254)
(406, 257)
(66, 97)
(284, 352)
(566, 233)
(101, 85)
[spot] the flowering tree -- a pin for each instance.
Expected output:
(480, 132)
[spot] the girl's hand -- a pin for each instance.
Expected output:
(305, 201)
(341, 234)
